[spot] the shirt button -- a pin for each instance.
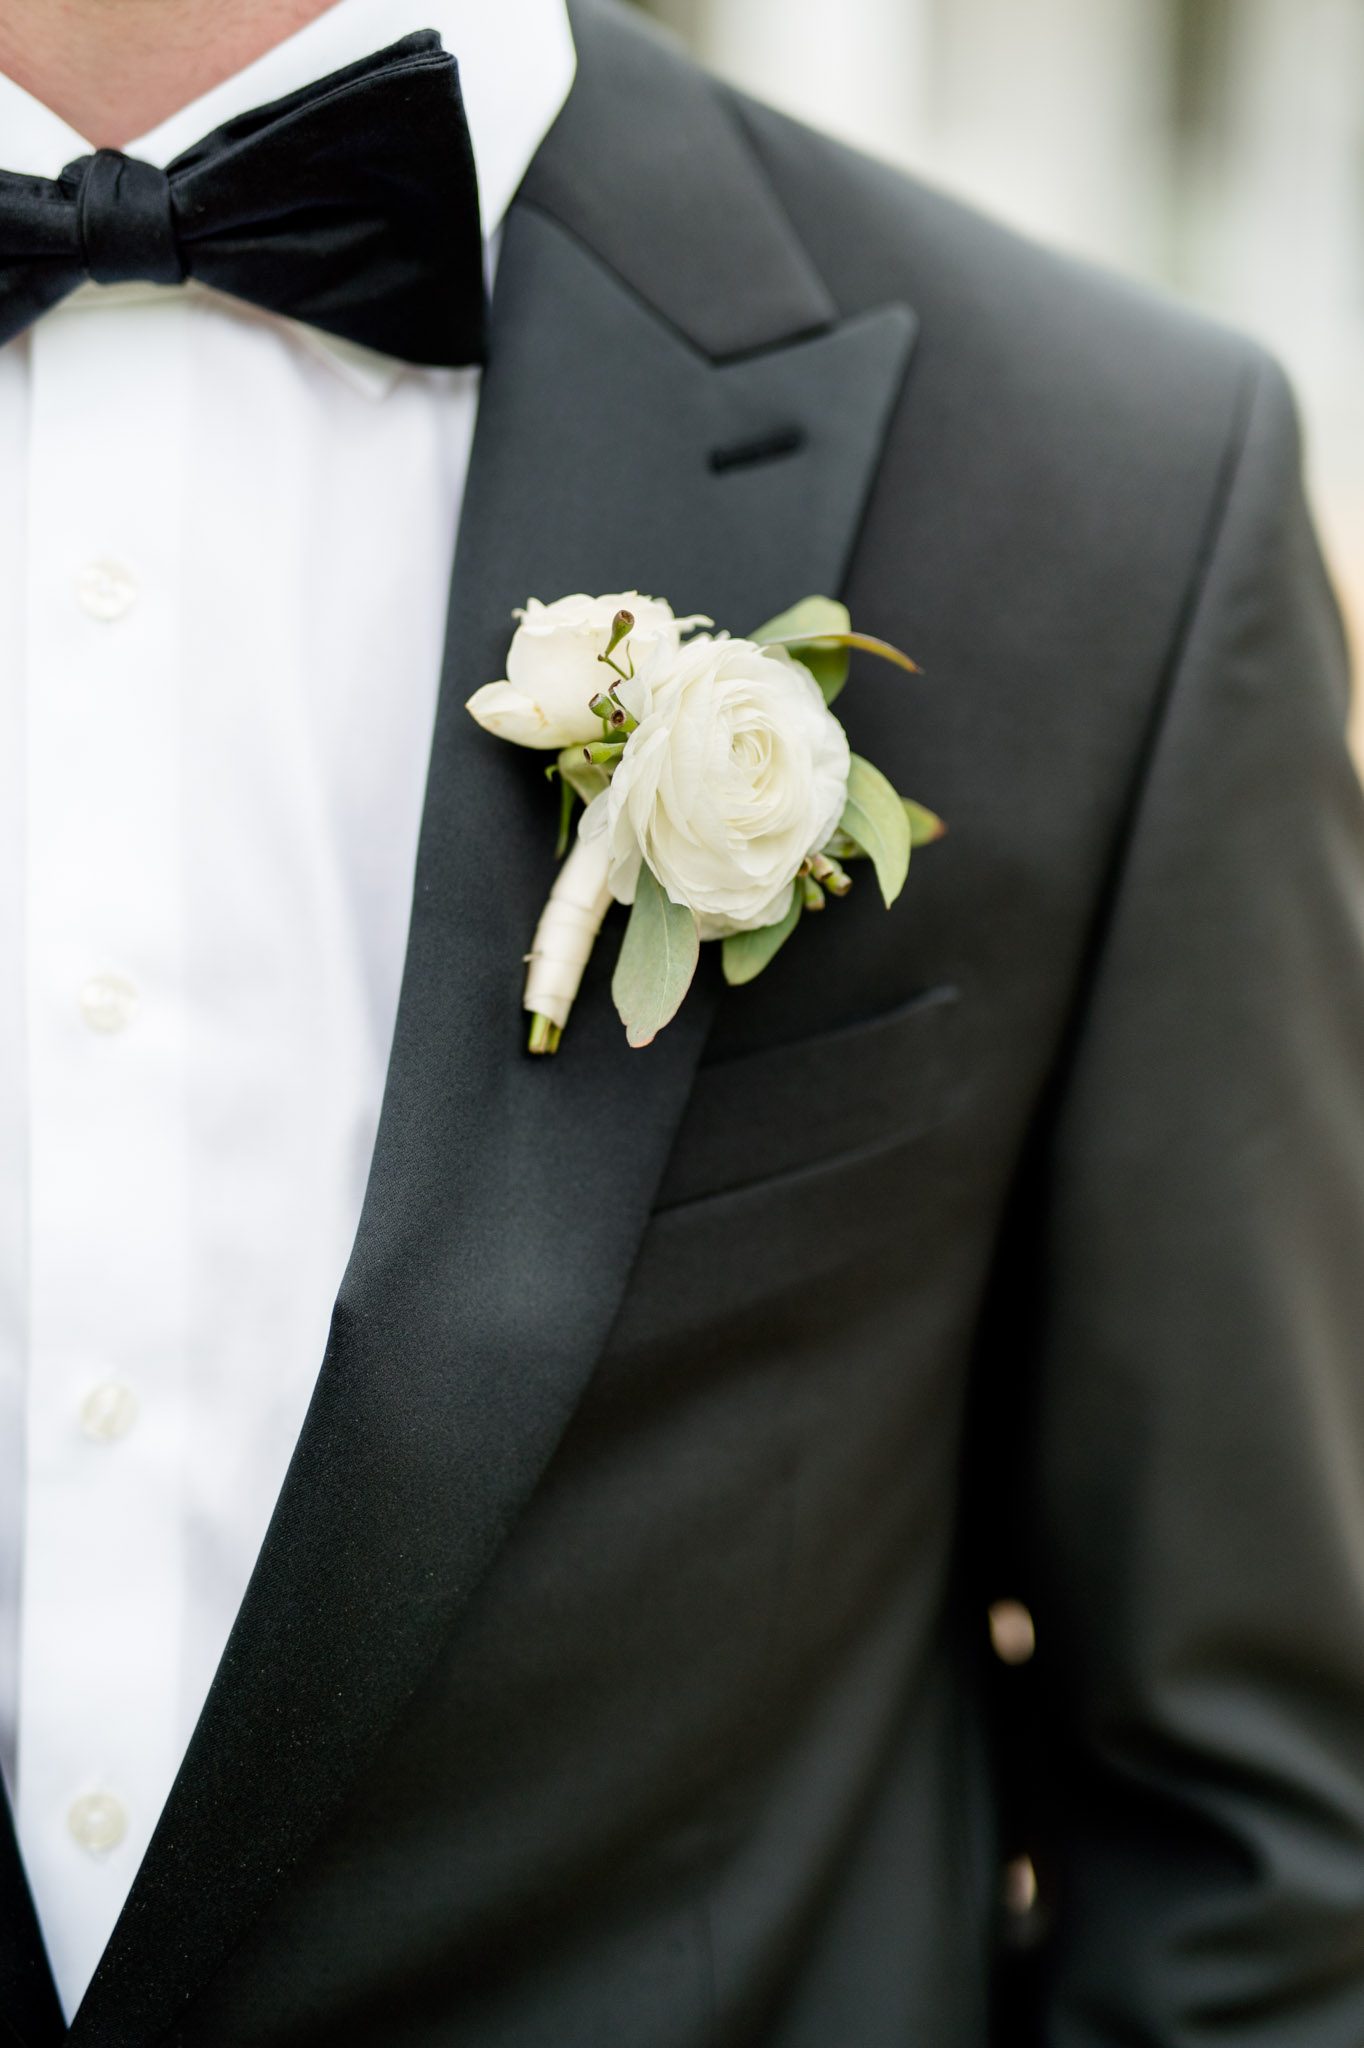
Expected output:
(1020, 1887)
(108, 1412)
(108, 1002)
(97, 1821)
(106, 591)
(1012, 1632)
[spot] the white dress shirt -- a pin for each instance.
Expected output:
(225, 548)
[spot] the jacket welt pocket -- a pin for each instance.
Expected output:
(776, 1111)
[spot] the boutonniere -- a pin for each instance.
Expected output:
(721, 798)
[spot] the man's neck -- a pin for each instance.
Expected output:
(114, 69)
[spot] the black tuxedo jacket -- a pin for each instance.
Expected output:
(615, 1673)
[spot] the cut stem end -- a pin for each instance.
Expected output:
(544, 1035)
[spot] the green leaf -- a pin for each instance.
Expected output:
(800, 633)
(810, 619)
(817, 633)
(582, 778)
(745, 954)
(658, 958)
(578, 777)
(924, 826)
(875, 817)
(799, 650)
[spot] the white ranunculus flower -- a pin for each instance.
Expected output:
(553, 671)
(737, 771)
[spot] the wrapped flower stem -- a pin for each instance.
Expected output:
(564, 939)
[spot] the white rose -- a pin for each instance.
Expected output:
(737, 771)
(553, 671)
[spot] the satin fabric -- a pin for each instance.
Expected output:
(350, 205)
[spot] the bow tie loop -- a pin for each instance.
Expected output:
(124, 219)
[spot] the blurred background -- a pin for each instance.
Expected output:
(1214, 148)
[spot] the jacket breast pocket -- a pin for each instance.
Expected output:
(775, 1112)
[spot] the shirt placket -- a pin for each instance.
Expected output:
(103, 1595)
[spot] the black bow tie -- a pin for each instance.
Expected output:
(351, 205)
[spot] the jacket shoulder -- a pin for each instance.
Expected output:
(1060, 429)
(1017, 320)
(745, 228)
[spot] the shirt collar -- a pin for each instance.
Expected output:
(516, 64)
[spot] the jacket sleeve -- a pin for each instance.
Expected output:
(1199, 1456)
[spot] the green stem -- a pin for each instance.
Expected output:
(565, 818)
(544, 1035)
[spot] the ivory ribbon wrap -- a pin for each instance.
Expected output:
(567, 930)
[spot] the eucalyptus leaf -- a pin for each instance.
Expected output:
(868, 643)
(924, 825)
(744, 955)
(658, 958)
(803, 633)
(582, 778)
(875, 817)
(811, 619)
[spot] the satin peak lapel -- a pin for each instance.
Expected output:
(508, 1195)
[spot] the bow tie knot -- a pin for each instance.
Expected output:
(124, 219)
